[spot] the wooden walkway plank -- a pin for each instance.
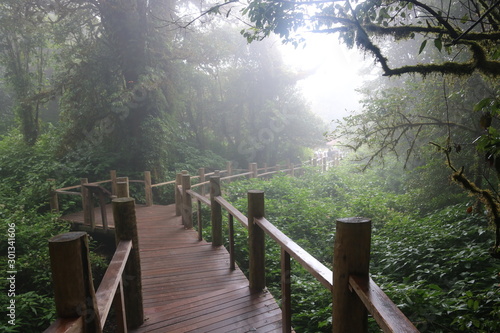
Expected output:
(188, 285)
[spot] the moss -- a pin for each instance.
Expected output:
(489, 200)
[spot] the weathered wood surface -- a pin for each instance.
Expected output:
(188, 285)
(111, 280)
(385, 312)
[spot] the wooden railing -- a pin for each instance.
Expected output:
(119, 187)
(81, 309)
(354, 293)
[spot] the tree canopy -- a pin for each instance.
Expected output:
(466, 30)
(457, 38)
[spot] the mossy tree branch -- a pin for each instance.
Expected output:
(488, 197)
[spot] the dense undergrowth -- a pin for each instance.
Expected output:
(433, 263)
(428, 254)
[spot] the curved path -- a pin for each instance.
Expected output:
(188, 285)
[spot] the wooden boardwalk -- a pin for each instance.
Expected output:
(188, 285)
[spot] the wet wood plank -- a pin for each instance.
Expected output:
(188, 285)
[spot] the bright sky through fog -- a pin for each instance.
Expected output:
(335, 74)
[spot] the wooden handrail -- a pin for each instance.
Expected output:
(236, 176)
(73, 283)
(66, 325)
(269, 173)
(97, 188)
(311, 264)
(222, 178)
(101, 193)
(112, 278)
(233, 211)
(200, 184)
(372, 298)
(149, 186)
(384, 311)
(199, 197)
(69, 192)
(74, 187)
(102, 182)
(165, 183)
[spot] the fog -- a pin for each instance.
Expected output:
(332, 74)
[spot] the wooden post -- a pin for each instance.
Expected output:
(286, 292)
(178, 203)
(217, 173)
(351, 256)
(148, 190)
(229, 167)
(256, 241)
(104, 214)
(200, 222)
(232, 265)
(265, 167)
(122, 187)
(119, 306)
(53, 198)
(88, 206)
(187, 202)
(254, 170)
(216, 211)
(201, 173)
(292, 170)
(72, 279)
(114, 188)
(126, 229)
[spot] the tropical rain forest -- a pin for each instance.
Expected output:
(89, 86)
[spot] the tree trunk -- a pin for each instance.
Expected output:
(125, 23)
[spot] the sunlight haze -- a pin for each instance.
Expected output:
(333, 74)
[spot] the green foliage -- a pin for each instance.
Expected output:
(433, 262)
(25, 169)
(24, 190)
(33, 293)
(371, 25)
(437, 270)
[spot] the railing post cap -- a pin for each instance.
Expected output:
(354, 220)
(123, 200)
(255, 191)
(67, 237)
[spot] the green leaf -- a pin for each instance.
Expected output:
(482, 104)
(435, 287)
(439, 44)
(422, 46)
(475, 305)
